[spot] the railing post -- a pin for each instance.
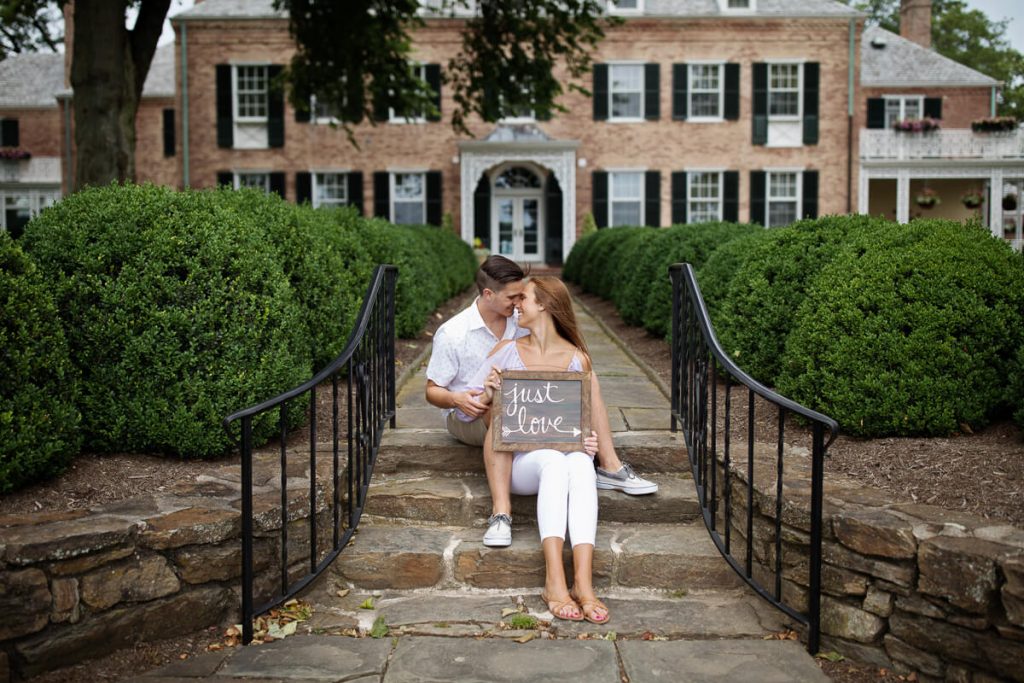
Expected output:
(247, 561)
(675, 273)
(817, 495)
(389, 300)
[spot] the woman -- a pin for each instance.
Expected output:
(565, 483)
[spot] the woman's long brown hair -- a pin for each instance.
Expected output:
(554, 297)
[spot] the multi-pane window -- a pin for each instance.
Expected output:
(418, 71)
(704, 196)
(625, 6)
(17, 207)
(408, 198)
(258, 181)
(626, 198)
(330, 189)
(626, 90)
(706, 90)
(899, 108)
(783, 197)
(738, 4)
(783, 90)
(251, 93)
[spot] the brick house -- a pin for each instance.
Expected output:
(749, 110)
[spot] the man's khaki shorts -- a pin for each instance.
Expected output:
(470, 433)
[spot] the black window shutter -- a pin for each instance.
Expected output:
(732, 92)
(652, 91)
(680, 88)
(600, 92)
(9, 135)
(599, 180)
(876, 112)
(225, 178)
(812, 77)
(760, 119)
(731, 196)
(304, 115)
(434, 203)
(553, 234)
(225, 126)
(275, 108)
(355, 190)
(303, 187)
(482, 211)
(652, 192)
(810, 195)
(381, 195)
(277, 183)
(433, 78)
(933, 107)
(678, 197)
(169, 132)
(757, 197)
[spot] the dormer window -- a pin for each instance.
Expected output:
(625, 6)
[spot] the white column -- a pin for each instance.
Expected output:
(568, 202)
(995, 207)
(467, 188)
(903, 197)
(863, 191)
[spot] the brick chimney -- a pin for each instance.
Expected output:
(916, 21)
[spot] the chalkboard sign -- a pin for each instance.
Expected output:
(541, 410)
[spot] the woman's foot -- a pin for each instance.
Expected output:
(563, 608)
(594, 611)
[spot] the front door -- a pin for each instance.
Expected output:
(517, 227)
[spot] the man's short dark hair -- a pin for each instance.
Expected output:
(496, 272)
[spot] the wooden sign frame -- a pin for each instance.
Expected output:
(499, 419)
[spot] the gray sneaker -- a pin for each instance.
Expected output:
(625, 480)
(499, 531)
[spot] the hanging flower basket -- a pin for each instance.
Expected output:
(14, 154)
(994, 124)
(973, 198)
(1010, 202)
(927, 198)
(925, 125)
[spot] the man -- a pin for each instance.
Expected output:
(460, 347)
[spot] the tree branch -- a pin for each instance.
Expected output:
(144, 36)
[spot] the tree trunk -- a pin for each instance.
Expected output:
(108, 69)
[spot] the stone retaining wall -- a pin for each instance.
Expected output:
(908, 587)
(75, 585)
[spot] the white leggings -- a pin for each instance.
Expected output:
(566, 488)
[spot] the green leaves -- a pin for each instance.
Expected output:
(380, 628)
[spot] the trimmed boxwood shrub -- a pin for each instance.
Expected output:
(717, 274)
(693, 244)
(571, 269)
(176, 311)
(758, 312)
(630, 292)
(595, 275)
(38, 387)
(909, 331)
(1016, 388)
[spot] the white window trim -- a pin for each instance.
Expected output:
(767, 192)
(236, 177)
(723, 6)
(721, 92)
(313, 185)
(643, 93)
(643, 193)
(799, 116)
(614, 9)
(391, 192)
(247, 120)
(689, 190)
(36, 198)
(903, 106)
(421, 118)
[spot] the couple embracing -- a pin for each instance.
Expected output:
(520, 323)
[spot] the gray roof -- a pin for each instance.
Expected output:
(902, 62)
(31, 80)
(264, 9)
(160, 79)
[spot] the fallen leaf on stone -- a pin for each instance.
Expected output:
(611, 635)
(183, 655)
(350, 632)
(235, 630)
(509, 610)
(830, 656)
(379, 628)
(344, 592)
(526, 638)
(367, 604)
(213, 647)
(646, 635)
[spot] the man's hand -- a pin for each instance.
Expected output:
(468, 403)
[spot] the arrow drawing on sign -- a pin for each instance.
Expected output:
(574, 431)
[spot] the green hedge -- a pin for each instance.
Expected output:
(1015, 394)
(38, 386)
(718, 273)
(909, 331)
(772, 282)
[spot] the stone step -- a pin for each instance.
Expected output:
(475, 614)
(405, 450)
(465, 500)
(675, 557)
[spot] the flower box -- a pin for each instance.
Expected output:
(925, 125)
(14, 154)
(994, 124)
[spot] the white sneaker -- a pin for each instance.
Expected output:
(625, 480)
(499, 531)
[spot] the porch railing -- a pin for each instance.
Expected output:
(703, 379)
(369, 396)
(890, 145)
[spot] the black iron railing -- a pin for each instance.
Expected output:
(363, 378)
(703, 376)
